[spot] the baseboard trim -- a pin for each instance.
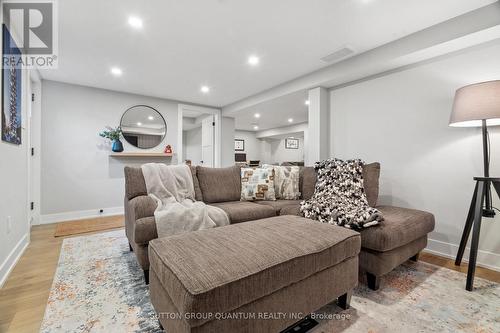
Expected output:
(485, 259)
(12, 259)
(80, 215)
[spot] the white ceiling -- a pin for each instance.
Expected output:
(186, 44)
(274, 113)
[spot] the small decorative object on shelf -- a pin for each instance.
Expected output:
(114, 135)
(168, 149)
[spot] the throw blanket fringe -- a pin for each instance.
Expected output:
(339, 197)
(177, 211)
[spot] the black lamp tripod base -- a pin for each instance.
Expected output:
(477, 211)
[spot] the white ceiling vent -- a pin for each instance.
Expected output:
(338, 55)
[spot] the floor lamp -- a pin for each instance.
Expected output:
(477, 105)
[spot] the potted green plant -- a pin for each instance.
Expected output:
(114, 135)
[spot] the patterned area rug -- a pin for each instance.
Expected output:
(98, 287)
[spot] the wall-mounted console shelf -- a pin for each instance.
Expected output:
(141, 155)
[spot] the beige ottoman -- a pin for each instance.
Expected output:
(230, 279)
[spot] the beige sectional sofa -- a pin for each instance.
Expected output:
(401, 236)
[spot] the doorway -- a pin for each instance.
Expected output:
(199, 136)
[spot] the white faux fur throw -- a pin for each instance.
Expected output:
(177, 211)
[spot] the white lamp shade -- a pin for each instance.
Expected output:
(475, 103)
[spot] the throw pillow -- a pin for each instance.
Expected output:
(257, 184)
(286, 182)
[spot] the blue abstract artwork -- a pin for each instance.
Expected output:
(11, 91)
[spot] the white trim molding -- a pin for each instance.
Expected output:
(80, 215)
(485, 259)
(13, 257)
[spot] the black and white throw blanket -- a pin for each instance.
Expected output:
(339, 197)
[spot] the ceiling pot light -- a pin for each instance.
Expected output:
(135, 22)
(139, 124)
(290, 120)
(253, 60)
(116, 71)
(306, 102)
(256, 127)
(205, 89)
(151, 118)
(257, 115)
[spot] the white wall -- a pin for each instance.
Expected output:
(401, 120)
(227, 142)
(278, 153)
(192, 145)
(14, 190)
(78, 175)
(252, 145)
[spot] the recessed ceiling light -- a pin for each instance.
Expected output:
(139, 124)
(256, 127)
(290, 120)
(205, 89)
(151, 118)
(116, 71)
(253, 60)
(306, 102)
(135, 22)
(257, 115)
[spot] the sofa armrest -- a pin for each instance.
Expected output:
(137, 211)
(142, 206)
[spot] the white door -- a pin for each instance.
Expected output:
(207, 141)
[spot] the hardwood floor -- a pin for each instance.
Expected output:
(481, 272)
(24, 295)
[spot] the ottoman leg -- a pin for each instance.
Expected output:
(130, 247)
(344, 301)
(161, 326)
(415, 257)
(146, 276)
(373, 281)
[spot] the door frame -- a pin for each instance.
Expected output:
(218, 133)
(34, 124)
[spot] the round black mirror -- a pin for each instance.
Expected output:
(143, 127)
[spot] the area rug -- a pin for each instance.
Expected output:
(89, 225)
(99, 287)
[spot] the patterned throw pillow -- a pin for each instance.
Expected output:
(257, 184)
(286, 182)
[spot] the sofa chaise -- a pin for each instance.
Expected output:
(401, 236)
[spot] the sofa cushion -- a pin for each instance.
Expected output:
(400, 227)
(291, 210)
(221, 269)
(135, 185)
(243, 211)
(371, 174)
(307, 182)
(219, 184)
(278, 205)
(197, 190)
